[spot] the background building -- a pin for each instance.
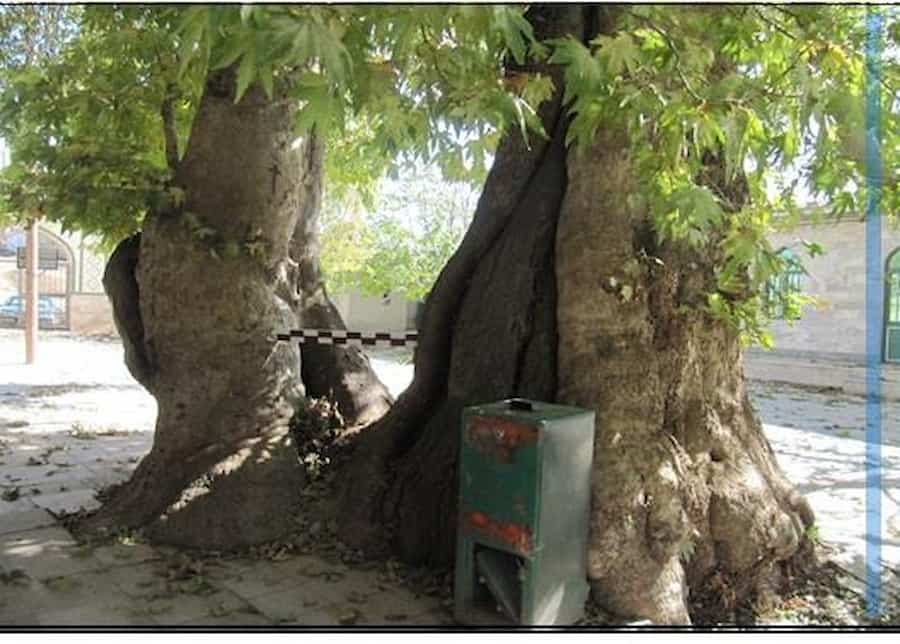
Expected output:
(827, 347)
(70, 275)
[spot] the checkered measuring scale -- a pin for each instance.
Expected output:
(352, 338)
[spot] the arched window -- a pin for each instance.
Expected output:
(892, 306)
(787, 283)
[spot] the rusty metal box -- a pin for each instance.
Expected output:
(523, 513)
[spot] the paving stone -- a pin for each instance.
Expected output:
(103, 475)
(138, 580)
(152, 578)
(250, 578)
(86, 453)
(16, 594)
(174, 607)
(27, 518)
(51, 485)
(54, 536)
(308, 590)
(384, 608)
(114, 451)
(68, 473)
(435, 616)
(169, 601)
(232, 619)
(20, 614)
(80, 589)
(312, 604)
(72, 599)
(25, 445)
(44, 553)
(95, 615)
(68, 501)
(24, 475)
(120, 554)
(21, 504)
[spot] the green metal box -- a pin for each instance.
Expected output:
(521, 553)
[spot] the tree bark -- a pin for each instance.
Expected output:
(560, 292)
(170, 134)
(197, 298)
(687, 494)
(120, 284)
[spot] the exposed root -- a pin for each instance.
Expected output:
(230, 498)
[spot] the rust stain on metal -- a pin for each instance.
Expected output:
(515, 536)
(499, 437)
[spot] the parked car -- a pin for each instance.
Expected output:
(12, 312)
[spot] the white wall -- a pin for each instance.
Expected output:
(838, 279)
(363, 313)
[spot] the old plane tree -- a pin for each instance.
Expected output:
(615, 259)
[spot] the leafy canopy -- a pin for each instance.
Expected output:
(84, 123)
(385, 86)
(775, 93)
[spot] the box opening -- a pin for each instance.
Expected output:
(500, 577)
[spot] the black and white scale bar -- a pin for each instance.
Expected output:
(354, 338)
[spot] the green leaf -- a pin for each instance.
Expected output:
(231, 250)
(267, 81)
(245, 76)
(516, 31)
(233, 48)
(584, 74)
(814, 249)
(620, 52)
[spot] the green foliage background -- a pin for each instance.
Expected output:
(401, 243)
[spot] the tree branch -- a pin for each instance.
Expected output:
(167, 111)
(675, 53)
(773, 24)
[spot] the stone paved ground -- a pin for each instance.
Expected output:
(77, 422)
(820, 440)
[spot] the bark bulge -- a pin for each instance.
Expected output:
(222, 471)
(121, 287)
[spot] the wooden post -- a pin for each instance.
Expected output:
(32, 250)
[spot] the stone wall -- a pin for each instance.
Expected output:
(827, 346)
(363, 313)
(9, 278)
(91, 314)
(837, 327)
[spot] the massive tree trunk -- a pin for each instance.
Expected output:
(198, 298)
(560, 292)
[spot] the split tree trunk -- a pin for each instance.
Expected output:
(341, 374)
(560, 292)
(197, 298)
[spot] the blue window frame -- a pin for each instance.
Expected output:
(780, 287)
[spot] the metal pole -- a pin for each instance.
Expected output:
(874, 312)
(32, 250)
